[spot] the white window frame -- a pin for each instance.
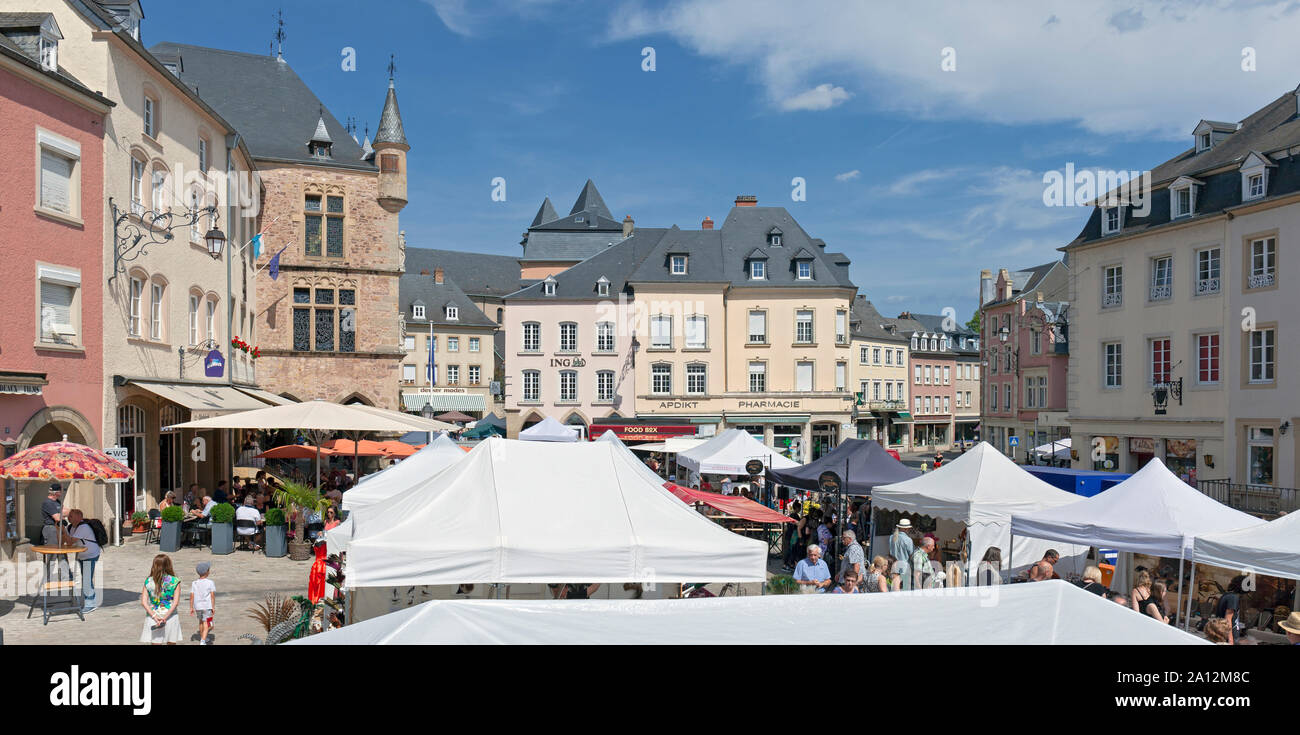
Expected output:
(157, 296)
(408, 374)
(532, 386)
(568, 385)
(453, 314)
(661, 379)
(417, 311)
(70, 334)
(812, 375)
(568, 337)
(700, 372)
(805, 324)
(453, 344)
(1209, 270)
(69, 151)
(1162, 278)
(758, 270)
(212, 319)
(1112, 364)
(1107, 228)
(661, 332)
(677, 265)
(604, 385)
(453, 375)
(1262, 267)
(702, 333)
(757, 376)
(1112, 286)
(530, 332)
(150, 117)
(750, 327)
(408, 343)
(475, 374)
(475, 344)
(803, 270)
(605, 337)
(194, 318)
(1261, 359)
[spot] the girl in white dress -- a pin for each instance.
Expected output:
(159, 598)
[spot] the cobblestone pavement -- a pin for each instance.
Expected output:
(242, 579)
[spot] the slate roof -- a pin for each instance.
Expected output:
(554, 238)
(414, 288)
(1273, 128)
(866, 322)
(13, 51)
(545, 213)
(390, 120)
(479, 274)
(1026, 282)
(719, 255)
(270, 106)
(589, 200)
(23, 20)
(615, 263)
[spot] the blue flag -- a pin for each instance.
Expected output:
(257, 246)
(274, 266)
(432, 371)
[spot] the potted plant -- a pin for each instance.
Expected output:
(276, 541)
(139, 522)
(223, 528)
(783, 584)
(170, 538)
(304, 499)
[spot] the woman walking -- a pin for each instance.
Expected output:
(876, 576)
(159, 598)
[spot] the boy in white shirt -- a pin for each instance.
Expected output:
(203, 594)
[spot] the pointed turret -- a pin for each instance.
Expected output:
(367, 150)
(321, 144)
(589, 201)
(389, 151)
(321, 135)
(545, 214)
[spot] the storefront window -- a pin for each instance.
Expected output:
(1105, 453)
(1180, 458)
(787, 440)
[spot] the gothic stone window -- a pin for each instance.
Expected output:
(323, 223)
(324, 318)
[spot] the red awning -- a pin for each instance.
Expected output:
(733, 505)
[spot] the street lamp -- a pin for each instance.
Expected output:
(135, 231)
(216, 240)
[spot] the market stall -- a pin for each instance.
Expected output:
(1049, 613)
(1152, 512)
(503, 515)
(440, 454)
(549, 430)
(728, 453)
(861, 465)
(982, 489)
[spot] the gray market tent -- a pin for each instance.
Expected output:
(861, 465)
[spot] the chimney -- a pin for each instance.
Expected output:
(627, 226)
(1005, 278)
(746, 200)
(986, 286)
(424, 271)
(1038, 296)
(707, 224)
(437, 275)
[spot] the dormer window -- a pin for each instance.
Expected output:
(320, 150)
(774, 239)
(803, 270)
(1202, 142)
(678, 265)
(417, 311)
(757, 270)
(49, 51)
(548, 286)
(453, 314)
(602, 286)
(1208, 134)
(1254, 175)
(1182, 197)
(1110, 220)
(579, 219)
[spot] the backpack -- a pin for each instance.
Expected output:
(97, 528)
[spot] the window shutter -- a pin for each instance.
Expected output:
(56, 308)
(56, 182)
(804, 376)
(757, 323)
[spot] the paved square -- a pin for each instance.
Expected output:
(243, 579)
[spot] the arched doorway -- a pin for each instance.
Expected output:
(577, 421)
(357, 399)
(45, 426)
(532, 420)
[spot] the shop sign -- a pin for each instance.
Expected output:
(214, 365)
(1140, 445)
(754, 467)
(1181, 448)
(828, 482)
(767, 404)
(688, 405)
(430, 390)
(568, 362)
(642, 432)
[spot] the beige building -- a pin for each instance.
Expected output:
(746, 326)
(1179, 345)
(168, 304)
(878, 375)
(440, 321)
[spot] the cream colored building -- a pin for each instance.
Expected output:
(746, 326)
(167, 305)
(438, 319)
(878, 361)
(1193, 298)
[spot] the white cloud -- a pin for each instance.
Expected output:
(464, 20)
(912, 183)
(848, 175)
(821, 97)
(1030, 62)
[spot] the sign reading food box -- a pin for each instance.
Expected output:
(642, 432)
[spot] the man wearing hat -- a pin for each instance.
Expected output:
(901, 548)
(52, 515)
(1291, 626)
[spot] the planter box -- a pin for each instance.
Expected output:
(276, 544)
(223, 538)
(170, 538)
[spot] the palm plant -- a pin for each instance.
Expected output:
(304, 498)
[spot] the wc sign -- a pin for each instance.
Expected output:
(214, 365)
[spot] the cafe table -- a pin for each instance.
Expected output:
(51, 555)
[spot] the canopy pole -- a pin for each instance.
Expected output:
(1187, 623)
(1182, 589)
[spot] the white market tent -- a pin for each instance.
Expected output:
(1044, 613)
(611, 438)
(440, 454)
(728, 452)
(549, 430)
(1059, 449)
(504, 514)
(1272, 548)
(1152, 512)
(983, 488)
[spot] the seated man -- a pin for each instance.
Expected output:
(201, 514)
(248, 512)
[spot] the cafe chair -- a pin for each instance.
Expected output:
(245, 539)
(154, 535)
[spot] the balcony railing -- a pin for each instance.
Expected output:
(1262, 280)
(1111, 300)
(1265, 501)
(1207, 286)
(1161, 293)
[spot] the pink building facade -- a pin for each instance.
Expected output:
(53, 217)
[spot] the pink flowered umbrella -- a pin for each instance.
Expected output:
(64, 461)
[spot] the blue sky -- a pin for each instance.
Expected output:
(923, 176)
